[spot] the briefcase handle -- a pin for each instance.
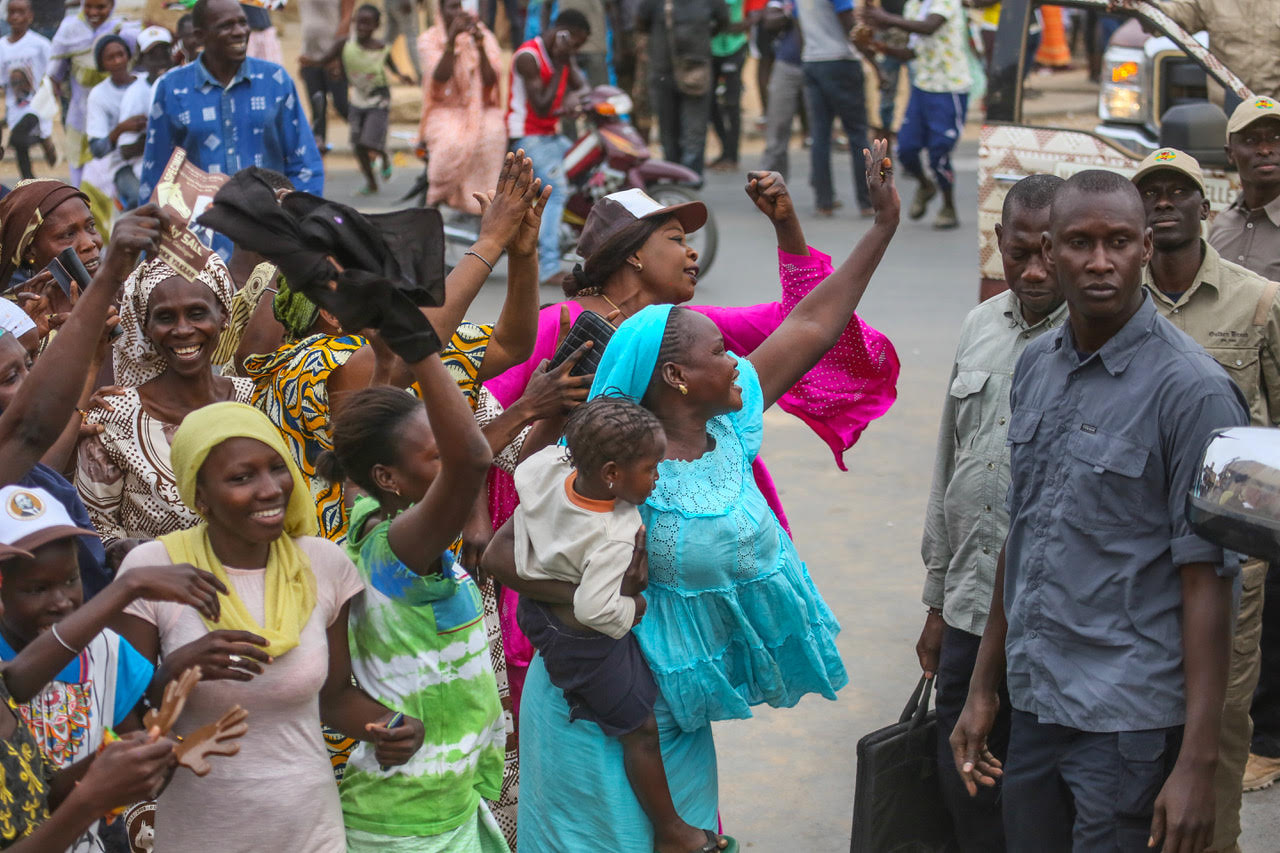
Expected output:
(918, 705)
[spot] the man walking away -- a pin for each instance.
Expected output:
(966, 522)
(1234, 314)
(833, 87)
(786, 84)
(940, 81)
(542, 77)
(678, 39)
(728, 53)
(1114, 616)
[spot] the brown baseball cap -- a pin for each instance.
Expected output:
(616, 211)
(1173, 160)
(1250, 110)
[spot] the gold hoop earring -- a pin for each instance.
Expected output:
(684, 389)
(395, 491)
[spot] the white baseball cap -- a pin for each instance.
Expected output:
(30, 518)
(152, 36)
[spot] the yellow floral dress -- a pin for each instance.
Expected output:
(24, 780)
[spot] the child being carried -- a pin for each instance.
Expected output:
(578, 522)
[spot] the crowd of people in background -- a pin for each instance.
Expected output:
(293, 524)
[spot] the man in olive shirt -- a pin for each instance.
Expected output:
(1234, 314)
(1248, 232)
(1244, 35)
(966, 521)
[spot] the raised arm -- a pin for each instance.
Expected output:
(516, 331)
(420, 534)
(499, 221)
(43, 405)
(816, 323)
(542, 96)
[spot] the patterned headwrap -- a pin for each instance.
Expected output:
(136, 359)
(22, 212)
(294, 311)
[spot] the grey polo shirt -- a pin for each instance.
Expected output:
(1103, 452)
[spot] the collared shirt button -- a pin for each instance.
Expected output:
(1239, 362)
(1002, 421)
(1248, 225)
(991, 466)
(1176, 310)
(1031, 634)
(986, 551)
(987, 508)
(1240, 258)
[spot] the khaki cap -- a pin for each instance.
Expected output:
(1250, 110)
(1174, 160)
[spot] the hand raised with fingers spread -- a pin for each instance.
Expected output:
(136, 232)
(884, 193)
(502, 214)
(525, 243)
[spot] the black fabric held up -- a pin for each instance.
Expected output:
(391, 263)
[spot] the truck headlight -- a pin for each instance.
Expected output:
(1120, 98)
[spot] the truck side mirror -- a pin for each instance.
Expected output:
(1235, 500)
(1198, 129)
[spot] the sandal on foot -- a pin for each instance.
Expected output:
(386, 171)
(713, 844)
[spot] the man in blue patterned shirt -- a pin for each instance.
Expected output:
(230, 111)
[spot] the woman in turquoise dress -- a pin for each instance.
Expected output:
(733, 618)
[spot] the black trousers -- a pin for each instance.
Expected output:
(726, 112)
(1266, 700)
(23, 135)
(977, 820)
(682, 122)
(320, 87)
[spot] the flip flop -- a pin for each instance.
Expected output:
(713, 844)
(386, 171)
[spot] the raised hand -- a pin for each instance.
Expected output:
(884, 193)
(768, 191)
(217, 738)
(136, 232)
(526, 240)
(502, 213)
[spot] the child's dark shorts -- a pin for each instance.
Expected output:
(604, 680)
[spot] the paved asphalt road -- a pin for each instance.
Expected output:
(786, 776)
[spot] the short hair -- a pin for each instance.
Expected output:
(200, 13)
(1098, 182)
(366, 434)
(572, 19)
(1034, 192)
(187, 18)
(105, 42)
(369, 7)
(610, 429)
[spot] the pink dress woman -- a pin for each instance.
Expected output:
(853, 384)
(461, 120)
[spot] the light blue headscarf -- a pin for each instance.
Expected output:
(632, 355)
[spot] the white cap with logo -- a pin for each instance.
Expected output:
(30, 518)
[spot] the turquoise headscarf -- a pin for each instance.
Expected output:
(627, 366)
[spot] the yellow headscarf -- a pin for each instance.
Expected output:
(290, 584)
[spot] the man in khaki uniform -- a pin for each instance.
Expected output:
(1235, 315)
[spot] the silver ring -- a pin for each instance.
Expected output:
(234, 659)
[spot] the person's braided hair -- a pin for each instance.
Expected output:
(609, 429)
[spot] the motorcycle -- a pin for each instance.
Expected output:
(610, 156)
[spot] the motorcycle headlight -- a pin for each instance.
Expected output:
(621, 103)
(1120, 98)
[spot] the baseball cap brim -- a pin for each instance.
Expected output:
(1166, 167)
(25, 546)
(691, 215)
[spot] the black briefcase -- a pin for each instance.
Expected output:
(897, 803)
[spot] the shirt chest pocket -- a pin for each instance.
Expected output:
(966, 394)
(1022, 429)
(1105, 481)
(1242, 366)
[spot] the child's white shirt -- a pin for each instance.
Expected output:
(560, 535)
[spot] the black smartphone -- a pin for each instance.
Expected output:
(589, 326)
(66, 268)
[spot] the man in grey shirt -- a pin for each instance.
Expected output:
(966, 522)
(1114, 615)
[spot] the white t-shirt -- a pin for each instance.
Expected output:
(30, 54)
(563, 536)
(136, 102)
(103, 115)
(277, 794)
